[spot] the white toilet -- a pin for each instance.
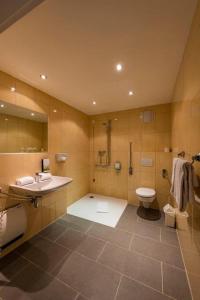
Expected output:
(146, 196)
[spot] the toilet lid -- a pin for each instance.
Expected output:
(145, 192)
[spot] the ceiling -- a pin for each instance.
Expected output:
(12, 10)
(77, 44)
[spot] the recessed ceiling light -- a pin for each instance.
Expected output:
(13, 89)
(43, 76)
(32, 114)
(119, 67)
(94, 102)
(55, 110)
(130, 93)
(2, 105)
(6, 119)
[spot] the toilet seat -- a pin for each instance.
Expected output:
(145, 192)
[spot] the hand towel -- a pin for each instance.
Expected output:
(25, 180)
(45, 176)
(183, 182)
(189, 182)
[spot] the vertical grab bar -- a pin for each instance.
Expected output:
(130, 170)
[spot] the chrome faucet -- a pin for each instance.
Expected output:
(37, 177)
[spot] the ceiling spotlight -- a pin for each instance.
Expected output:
(130, 93)
(43, 76)
(6, 119)
(32, 114)
(119, 67)
(2, 105)
(94, 102)
(115, 119)
(55, 110)
(13, 89)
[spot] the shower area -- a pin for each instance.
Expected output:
(111, 158)
(108, 175)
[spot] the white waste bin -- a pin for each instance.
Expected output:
(170, 215)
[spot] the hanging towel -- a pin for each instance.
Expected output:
(183, 182)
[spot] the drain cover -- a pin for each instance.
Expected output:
(148, 213)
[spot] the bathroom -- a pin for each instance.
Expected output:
(109, 117)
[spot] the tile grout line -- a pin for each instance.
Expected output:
(109, 242)
(101, 252)
(90, 227)
(120, 280)
(49, 274)
(131, 241)
(77, 296)
(18, 272)
(115, 271)
(162, 277)
(157, 241)
(63, 258)
(160, 235)
(117, 229)
(65, 231)
(186, 271)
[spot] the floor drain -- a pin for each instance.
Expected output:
(148, 213)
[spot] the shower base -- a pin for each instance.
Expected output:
(88, 208)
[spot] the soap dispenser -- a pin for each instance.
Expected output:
(117, 166)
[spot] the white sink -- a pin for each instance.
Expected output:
(38, 189)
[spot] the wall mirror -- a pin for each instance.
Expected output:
(22, 130)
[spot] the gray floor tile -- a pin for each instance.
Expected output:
(80, 297)
(147, 230)
(169, 236)
(91, 247)
(132, 290)
(160, 251)
(117, 236)
(76, 223)
(133, 265)
(175, 283)
(71, 239)
(53, 231)
(89, 278)
(42, 252)
(128, 218)
(31, 283)
(10, 265)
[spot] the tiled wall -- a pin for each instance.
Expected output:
(186, 136)
(68, 132)
(149, 141)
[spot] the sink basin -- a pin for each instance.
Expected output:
(38, 189)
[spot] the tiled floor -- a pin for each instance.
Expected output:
(76, 259)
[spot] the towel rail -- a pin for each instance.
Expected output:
(195, 157)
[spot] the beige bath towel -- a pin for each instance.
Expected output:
(183, 182)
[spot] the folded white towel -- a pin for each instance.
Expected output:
(102, 207)
(25, 180)
(45, 176)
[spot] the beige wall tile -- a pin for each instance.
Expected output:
(185, 136)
